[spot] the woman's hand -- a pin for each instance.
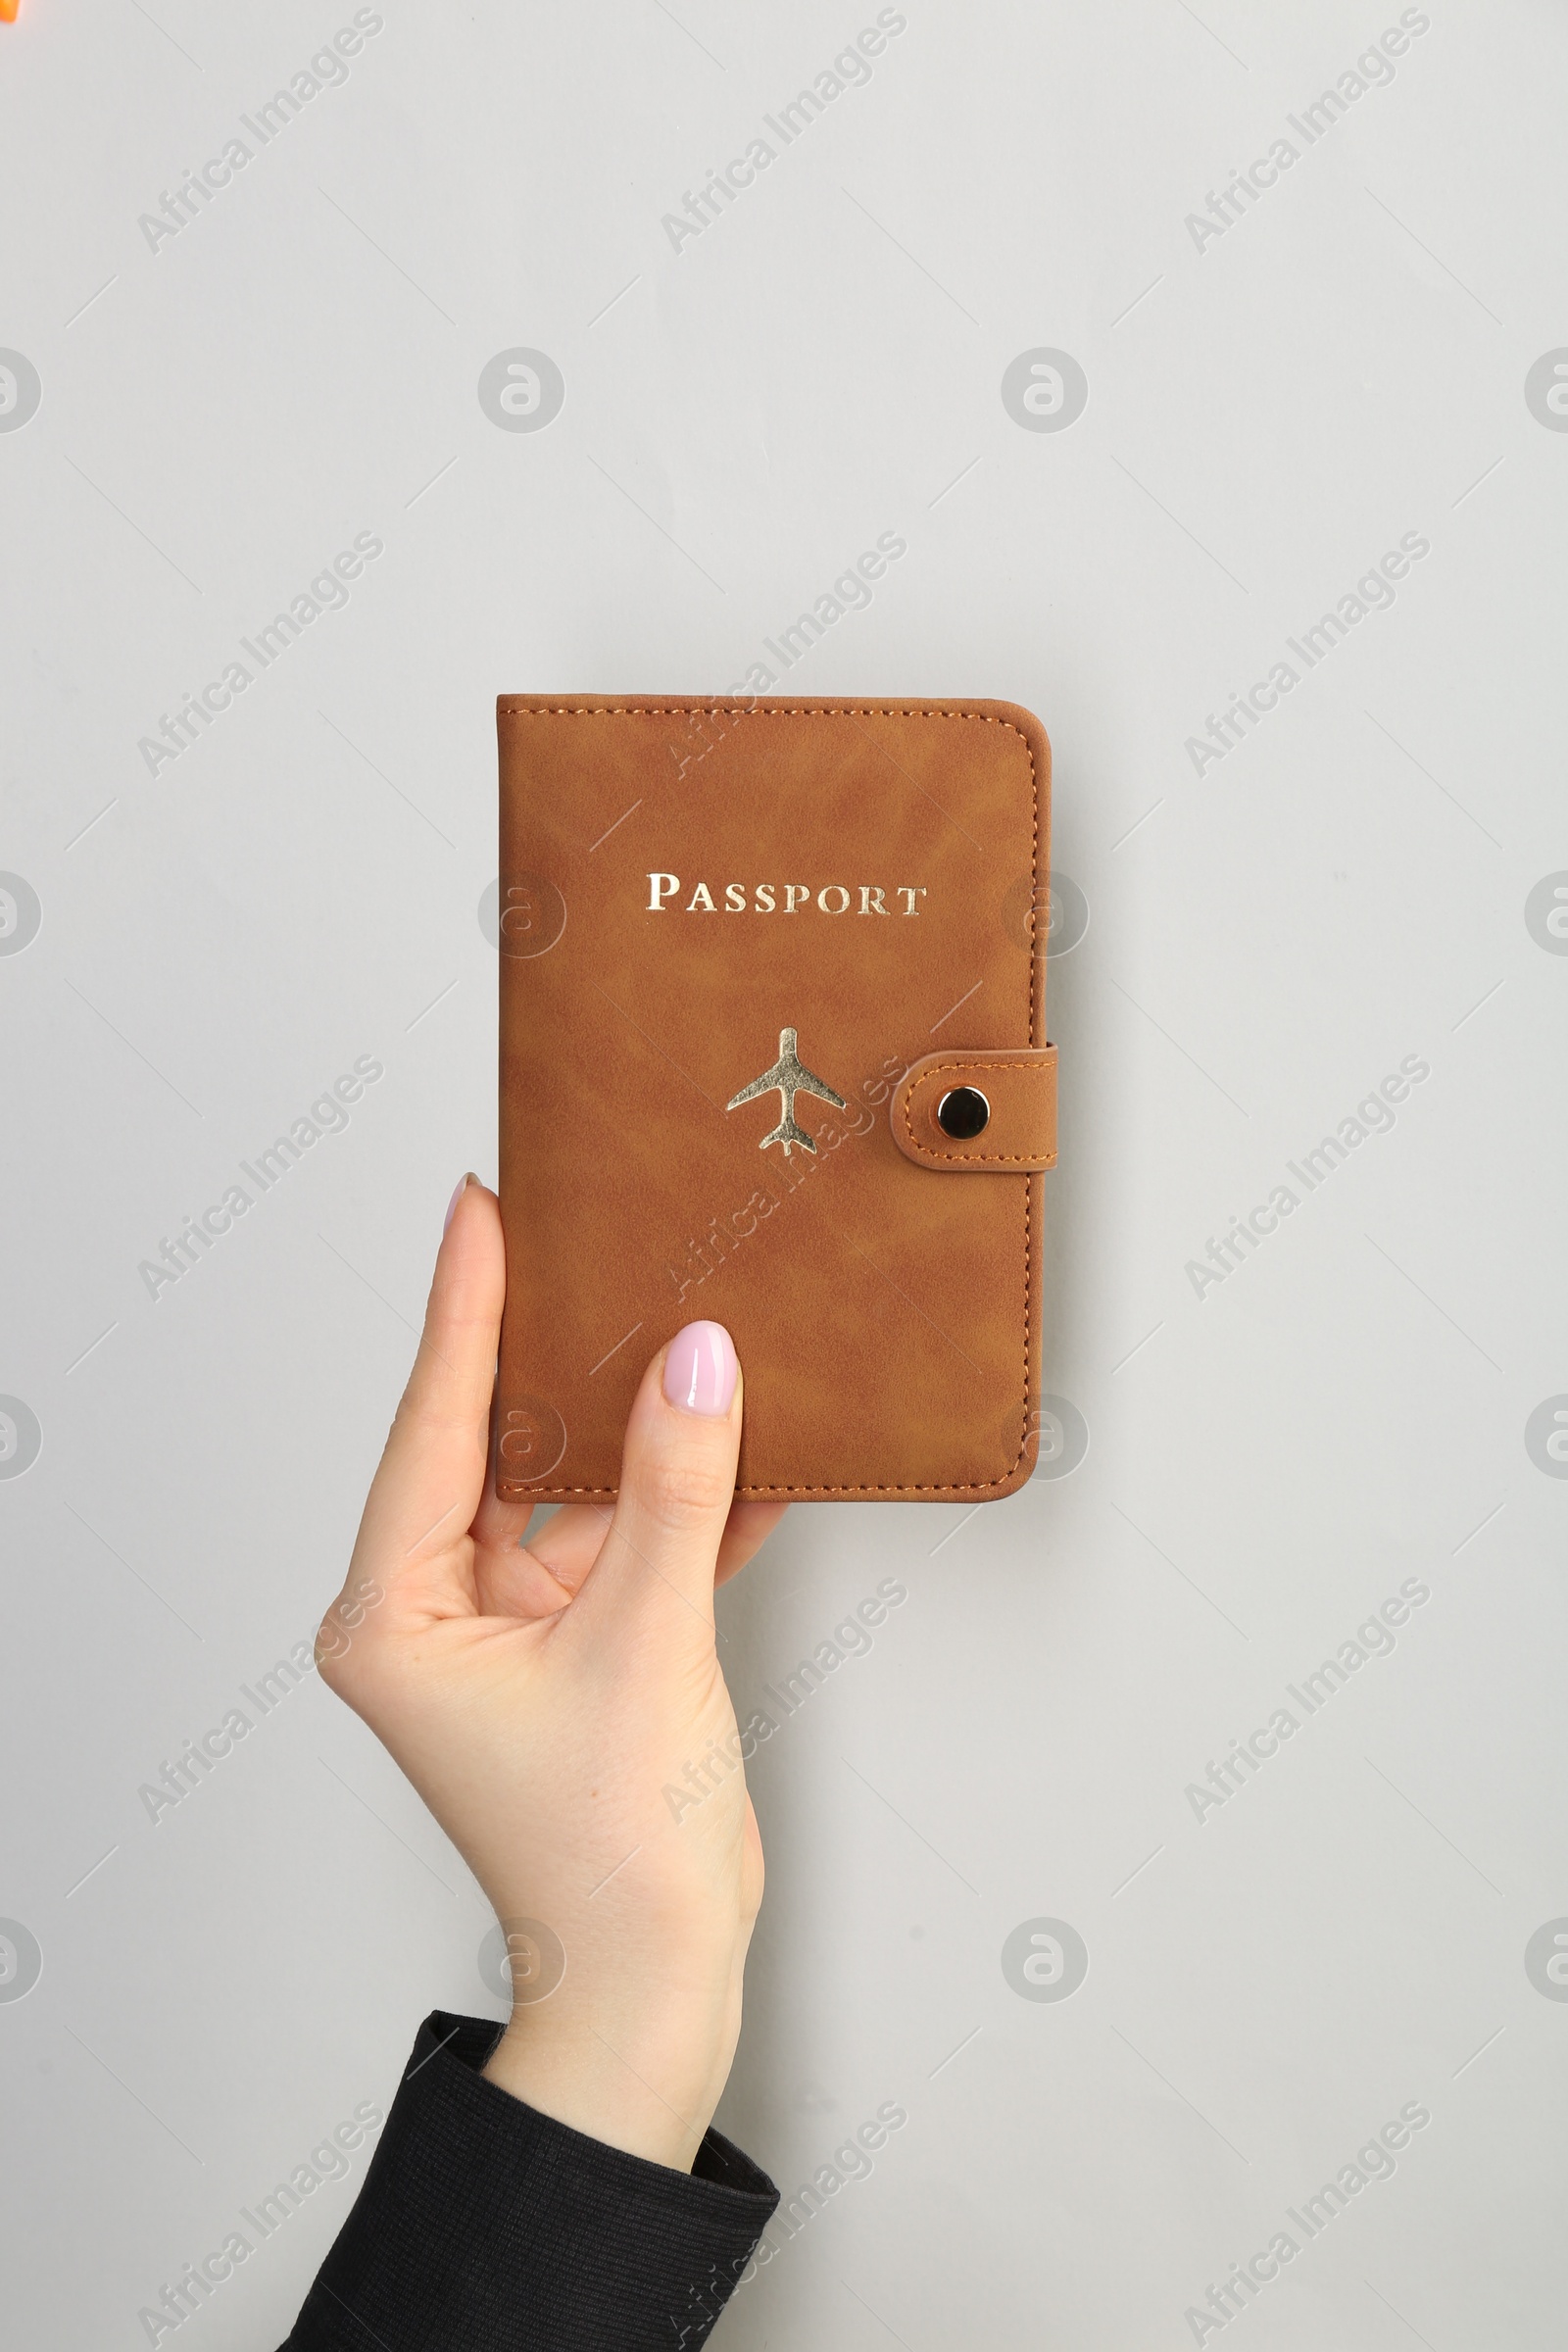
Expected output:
(560, 1706)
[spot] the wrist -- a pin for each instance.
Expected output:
(646, 2083)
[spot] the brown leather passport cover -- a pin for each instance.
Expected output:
(747, 948)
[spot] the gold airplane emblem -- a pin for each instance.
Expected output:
(788, 1077)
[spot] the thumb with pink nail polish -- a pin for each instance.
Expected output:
(701, 1369)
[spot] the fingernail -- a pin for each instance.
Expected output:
(452, 1204)
(701, 1369)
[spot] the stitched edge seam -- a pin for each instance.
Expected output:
(947, 1487)
(506, 709)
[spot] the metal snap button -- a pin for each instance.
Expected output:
(964, 1112)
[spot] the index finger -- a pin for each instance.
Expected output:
(422, 1500)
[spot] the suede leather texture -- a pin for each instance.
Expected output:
(887, 1317)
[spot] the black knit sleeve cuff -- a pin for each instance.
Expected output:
(484, 2224)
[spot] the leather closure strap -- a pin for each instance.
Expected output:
(1020, 1084)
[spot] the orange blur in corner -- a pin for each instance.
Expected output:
(8, 12)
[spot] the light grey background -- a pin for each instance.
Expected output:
(1268, 412)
